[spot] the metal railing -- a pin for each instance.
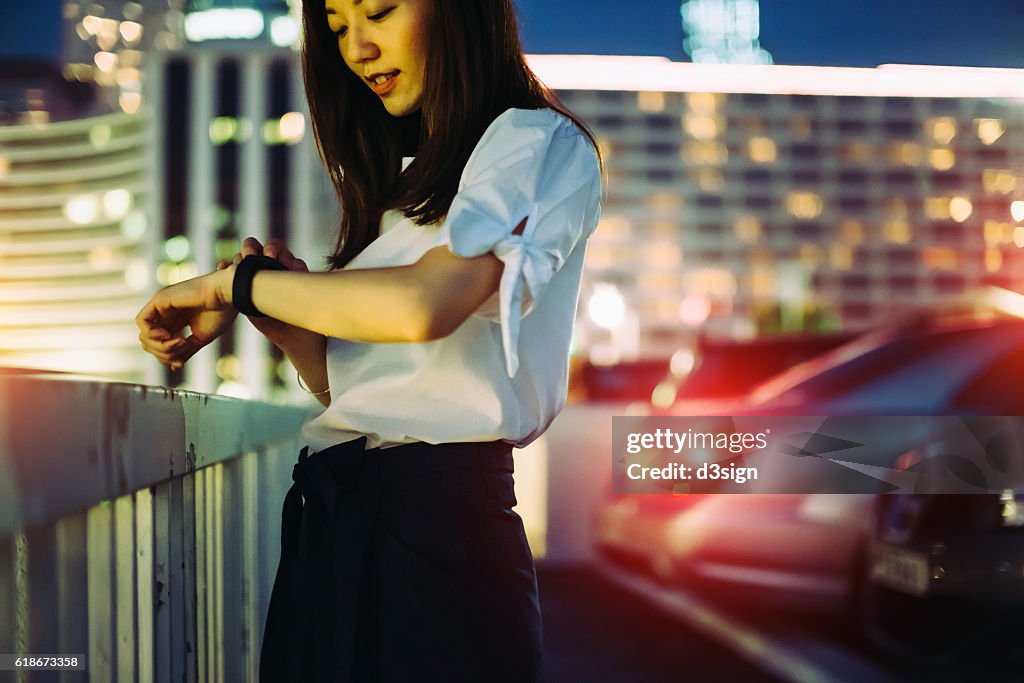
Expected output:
(139, 526)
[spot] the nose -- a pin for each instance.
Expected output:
(359, 47)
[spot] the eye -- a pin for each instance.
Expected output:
(340, 31)
(380, 15)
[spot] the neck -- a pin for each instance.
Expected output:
(409, 133)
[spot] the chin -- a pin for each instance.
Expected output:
(401, 108)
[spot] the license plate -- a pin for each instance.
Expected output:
(901, 570)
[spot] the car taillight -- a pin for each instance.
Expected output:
(1011, 508)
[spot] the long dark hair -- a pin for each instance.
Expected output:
(475, 71)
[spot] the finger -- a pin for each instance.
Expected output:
(143, 319)
(274, 248)
(222, 264)
(165, 358)
(237, 258)
(163, 345)
(251, 246)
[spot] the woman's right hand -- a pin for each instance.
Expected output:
(279, 333)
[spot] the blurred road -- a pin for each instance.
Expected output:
(596, 632)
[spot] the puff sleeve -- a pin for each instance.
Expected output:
(534, 165)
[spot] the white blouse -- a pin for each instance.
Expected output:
(503, 374)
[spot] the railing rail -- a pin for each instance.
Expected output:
(138, 526)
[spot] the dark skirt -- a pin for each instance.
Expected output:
(403, 565)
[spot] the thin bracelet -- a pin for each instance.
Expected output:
(312, 393)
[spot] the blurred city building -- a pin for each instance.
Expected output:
(742, 199)
(723, 32)
(106, 43)
(746, 200)
(237, 158)
(76, 251)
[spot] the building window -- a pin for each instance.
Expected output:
(805, 152)
(900, 129)
(851, 127)
(609, 122)
(660, 122)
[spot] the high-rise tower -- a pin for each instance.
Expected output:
(723, 32)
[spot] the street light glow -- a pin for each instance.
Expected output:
(606, 307)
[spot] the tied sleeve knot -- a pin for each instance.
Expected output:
(528, 263)
(532, 163)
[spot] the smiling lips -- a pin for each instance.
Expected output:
(382, 83)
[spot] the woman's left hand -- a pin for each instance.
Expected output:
(200, 303)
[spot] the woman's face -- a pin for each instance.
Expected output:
(384, 42)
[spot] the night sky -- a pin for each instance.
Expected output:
(827, 32)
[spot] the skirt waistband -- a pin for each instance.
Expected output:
(414, 458)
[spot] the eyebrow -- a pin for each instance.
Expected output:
(357, 3)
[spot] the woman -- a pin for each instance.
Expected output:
(437, 340)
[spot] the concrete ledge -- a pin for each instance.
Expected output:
(68, 442)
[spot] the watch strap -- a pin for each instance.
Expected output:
(241, 286)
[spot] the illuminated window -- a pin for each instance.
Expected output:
(762, 150)
(942, 129)
(131, 31)
(1017, 211)
(664, 201)
(998, 181)
(706, 153)
(998, 233)
(651, 102)
(704, 102)
(905, 154)
(105, 61)
(1018, 236)
(840, 257)
(937, 208)
(989, 130)
(942, 159)
(896, 231)
(993, 259)
(700, 126)
(710, 180)
(762, 281)
(748, 228)
(804, 204)
(960, 209)
(940, 258)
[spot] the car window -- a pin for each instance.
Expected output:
(847, 376)
(844, 373)
(999, 390)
